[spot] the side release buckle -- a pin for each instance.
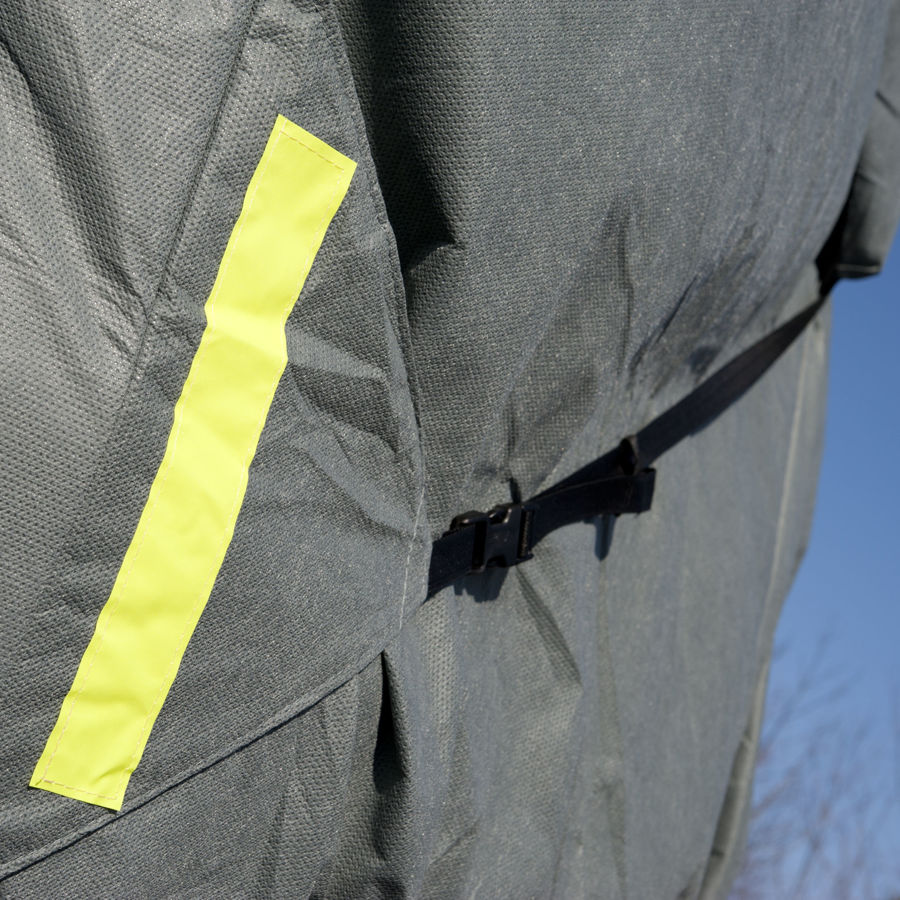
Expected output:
(502, 535)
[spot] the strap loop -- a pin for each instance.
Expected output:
(620, 481)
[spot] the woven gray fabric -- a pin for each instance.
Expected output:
(873, 208)
(563, 217)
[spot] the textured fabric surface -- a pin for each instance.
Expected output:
(564, 215)
(873, 207)
(325, 552)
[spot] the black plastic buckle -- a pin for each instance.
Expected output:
(502, 535)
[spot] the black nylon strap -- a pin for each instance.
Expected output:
(620, 481)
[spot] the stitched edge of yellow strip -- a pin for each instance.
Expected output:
(188, 521)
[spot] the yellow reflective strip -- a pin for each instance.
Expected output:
(185, 528)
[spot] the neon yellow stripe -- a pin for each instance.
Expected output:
(188, 521)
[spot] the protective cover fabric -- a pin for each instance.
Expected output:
(873, 208)
(563, 216)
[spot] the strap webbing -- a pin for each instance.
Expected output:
(620, 481)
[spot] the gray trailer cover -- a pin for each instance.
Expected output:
(564, 215)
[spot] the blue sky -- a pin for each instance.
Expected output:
(847, 591)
